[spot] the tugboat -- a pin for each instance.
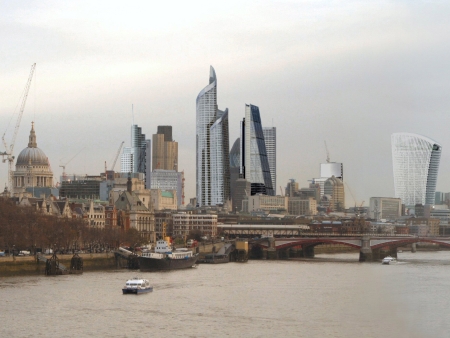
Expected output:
(137, 286)
(164, 258)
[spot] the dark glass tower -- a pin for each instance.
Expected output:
(254, 162)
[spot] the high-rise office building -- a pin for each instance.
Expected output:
(165, 150)
(126, 160)
(138, 144)
(212, 158)
(328, 170)
(166, 131)
(137, 158)
(334, 188)
(254, 163)
(220, 160)
(270, 138)
(415, 160)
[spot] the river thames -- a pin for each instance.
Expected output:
(330, 296)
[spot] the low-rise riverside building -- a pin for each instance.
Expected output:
(183, 223)
(302, 206)
(423, 226)
(265, 203)
(385, 208)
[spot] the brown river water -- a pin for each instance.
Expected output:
(330, 296)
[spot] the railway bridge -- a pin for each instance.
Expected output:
(371, 247)
(277, 240)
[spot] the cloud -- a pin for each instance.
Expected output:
(350, 73)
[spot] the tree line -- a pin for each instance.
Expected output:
(24, 228)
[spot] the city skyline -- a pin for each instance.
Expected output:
(350, 79)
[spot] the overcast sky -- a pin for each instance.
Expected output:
(350, 73)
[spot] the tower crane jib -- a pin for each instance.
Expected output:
(9, 150)
(117, 155)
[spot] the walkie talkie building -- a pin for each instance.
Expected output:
(416, 164)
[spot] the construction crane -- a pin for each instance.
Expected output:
(9, 150)
(328, 153)
(64, 175)
(117, 155)
(281, 191)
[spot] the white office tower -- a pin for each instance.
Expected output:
(415, 160)
(330, 169)
(270, 138)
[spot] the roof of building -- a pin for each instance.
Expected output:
(167, 194)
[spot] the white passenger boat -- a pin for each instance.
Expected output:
(388, 260)
(137, 286)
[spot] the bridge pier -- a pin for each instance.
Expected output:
(365, 254)
(413, 247)
(308, 251)
(272, 254)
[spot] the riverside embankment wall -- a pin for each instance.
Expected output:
(28, 265)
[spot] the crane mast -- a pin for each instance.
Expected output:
(9, 150)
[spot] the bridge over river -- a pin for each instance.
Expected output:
(371, 247)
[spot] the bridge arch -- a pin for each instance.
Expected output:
(317, 241)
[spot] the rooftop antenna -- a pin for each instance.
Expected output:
(132, 112)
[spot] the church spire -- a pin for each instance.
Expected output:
(32, 143)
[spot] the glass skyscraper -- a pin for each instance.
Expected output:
(254, 163)
(416, 163)
(210, 157)
(220, 160)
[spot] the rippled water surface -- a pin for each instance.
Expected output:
(329, 296)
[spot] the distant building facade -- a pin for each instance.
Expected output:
(167, 180)
(385, 208)
(302, 206)
(335, 188)
(265, 203)
(164, 200)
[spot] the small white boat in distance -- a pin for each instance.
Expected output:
(137, 286)
(388, 260)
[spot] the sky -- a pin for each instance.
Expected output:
(350, 73)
